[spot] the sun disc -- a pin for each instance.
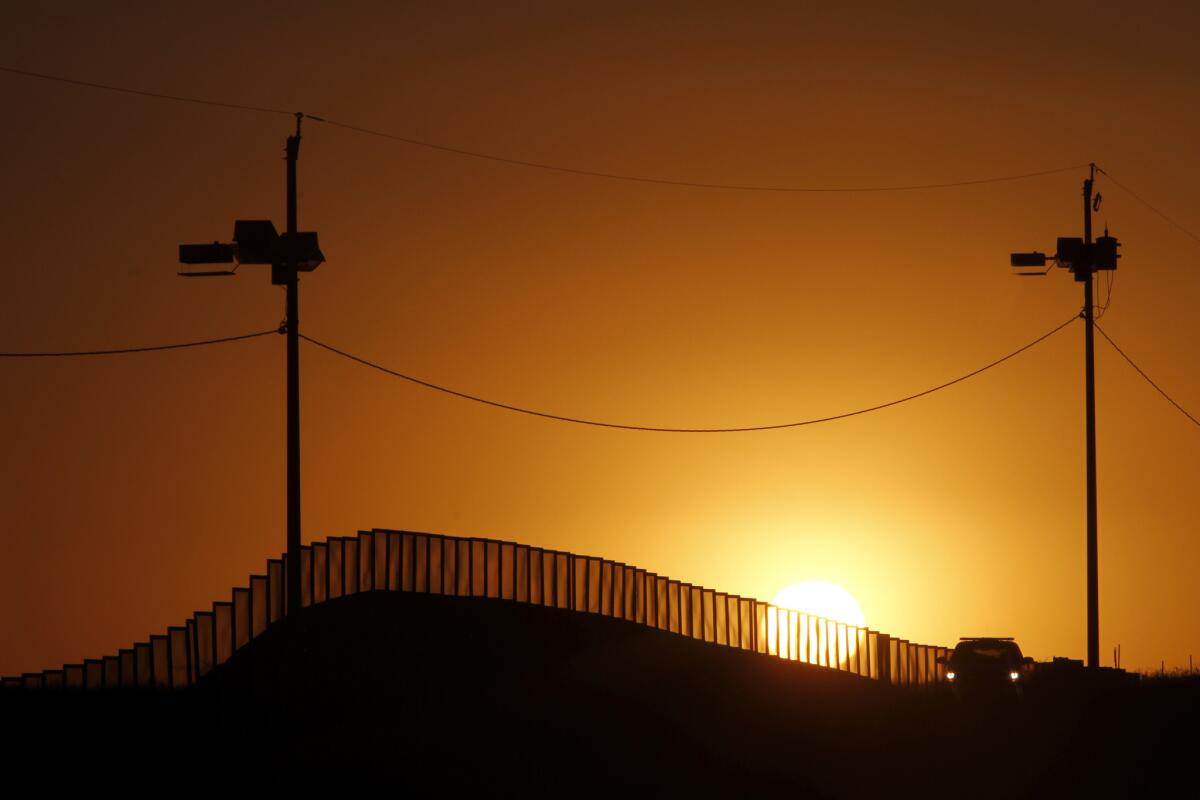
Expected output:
(822, 599)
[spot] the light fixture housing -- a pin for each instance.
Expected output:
(215, 253)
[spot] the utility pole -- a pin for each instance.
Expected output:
(256, 242)
(292, 280)
(1084, 258)
(1093, 576)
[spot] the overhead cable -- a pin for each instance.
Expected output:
(108, 87)
(739, 187)
(148, 349)
(1146, 203)
(653, 429)
(1157, 388)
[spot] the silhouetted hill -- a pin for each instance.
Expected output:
(443, 694)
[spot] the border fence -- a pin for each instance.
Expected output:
(386, 560)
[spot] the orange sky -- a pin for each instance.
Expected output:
(140, 488)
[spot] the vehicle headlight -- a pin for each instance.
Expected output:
(949, 676)
(1014, 675)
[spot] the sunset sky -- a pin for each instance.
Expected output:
(140, 488)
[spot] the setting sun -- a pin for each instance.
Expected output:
(817, 622)
(822, 599)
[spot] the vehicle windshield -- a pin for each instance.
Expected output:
(987, 651)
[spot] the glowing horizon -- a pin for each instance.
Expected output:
(147, 483)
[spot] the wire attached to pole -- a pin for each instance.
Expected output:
(538, 164)
(651, 429)
(1139, 371)
(1194, 236)
(149, 349)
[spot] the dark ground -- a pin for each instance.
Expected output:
(420, 694)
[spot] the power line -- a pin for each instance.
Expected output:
(600, 424)
(1157, 388)
(1147, 204)
(108, 87)
(537, 164)
(149, 349)
(688, 184)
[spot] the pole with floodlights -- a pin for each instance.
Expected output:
(256, 241)
(1084, 258)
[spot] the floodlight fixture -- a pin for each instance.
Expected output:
(215, 253)
(257, 241)
(1034, 259)
(1105, 252)
(301, 250)
(1073, 254)
(1081, 257)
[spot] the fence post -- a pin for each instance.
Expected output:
(883, 653)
